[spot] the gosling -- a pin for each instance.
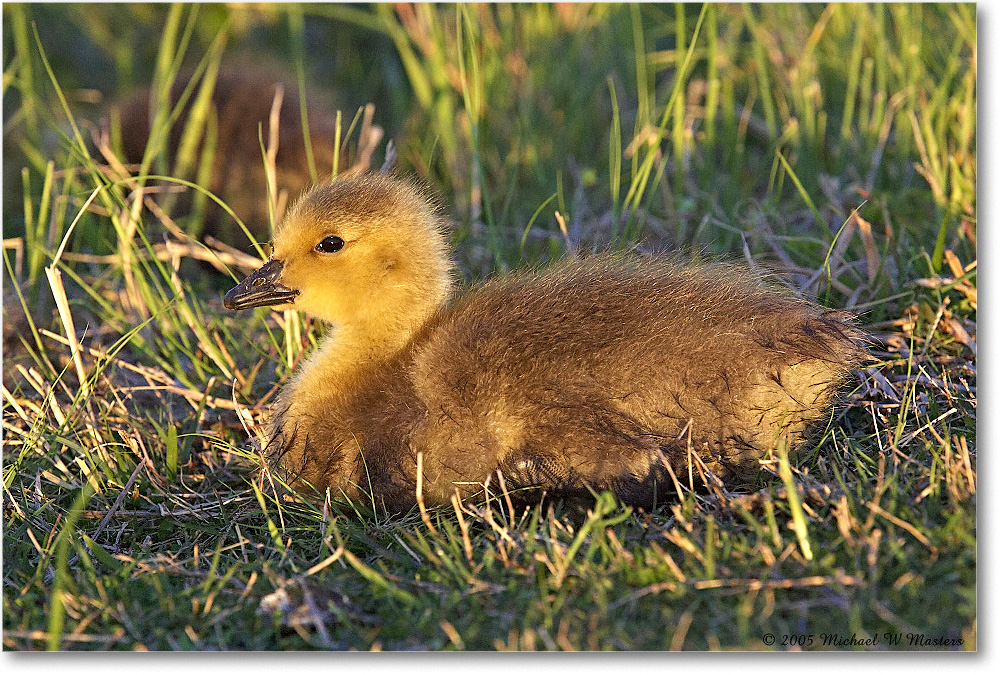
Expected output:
(602, 373)
(241, 101)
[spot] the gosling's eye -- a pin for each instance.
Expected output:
(331, 244)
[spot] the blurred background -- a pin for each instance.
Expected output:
(514, 112)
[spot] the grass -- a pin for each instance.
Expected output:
(835, 145)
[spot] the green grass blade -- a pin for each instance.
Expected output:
(57, 608)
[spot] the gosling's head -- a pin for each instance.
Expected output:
(366, 252)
